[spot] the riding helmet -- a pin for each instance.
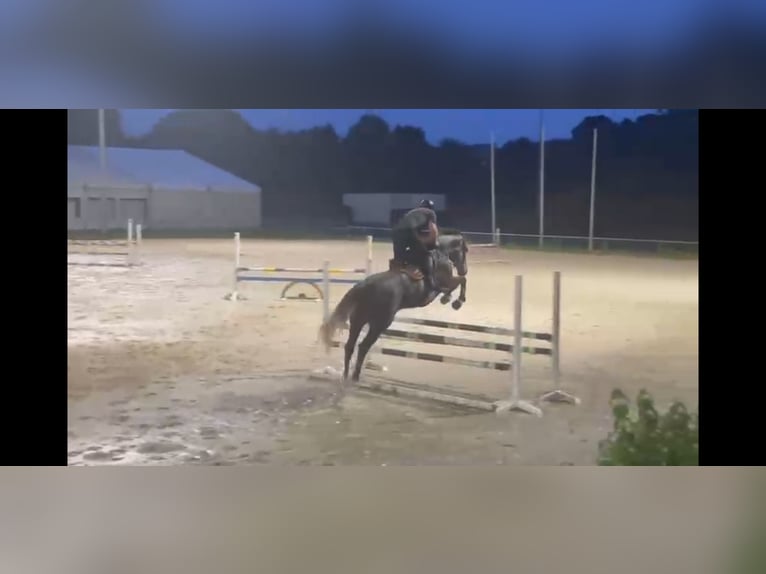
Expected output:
(427, 203)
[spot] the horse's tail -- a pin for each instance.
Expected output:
(339, 316)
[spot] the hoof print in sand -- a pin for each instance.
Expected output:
(209, 433)
(97, 455)
(159, 447)
(118, 418)
(170, 421)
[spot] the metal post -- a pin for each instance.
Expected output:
(497, 237)
(556, 335)
(130, 232)
(326, 291)
(102, 140)
(369, 255)
(492, 178)
(542, 179)
(592, 189)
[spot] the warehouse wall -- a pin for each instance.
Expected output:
(103, 208)
(200, 209)
(110, 207)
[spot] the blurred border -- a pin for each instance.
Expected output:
(86, 54)
(371, 520)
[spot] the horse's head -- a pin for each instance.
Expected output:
(454, 245)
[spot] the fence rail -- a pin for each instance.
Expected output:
(562, 241)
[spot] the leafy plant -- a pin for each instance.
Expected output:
(650, 438)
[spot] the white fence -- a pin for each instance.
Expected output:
(483, 238)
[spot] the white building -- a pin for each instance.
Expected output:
(161, 189)
(385, 208)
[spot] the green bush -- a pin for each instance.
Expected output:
(650, 438)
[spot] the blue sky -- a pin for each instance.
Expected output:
(545, 27)
(470, 126)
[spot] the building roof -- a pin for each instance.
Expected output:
(161, 168)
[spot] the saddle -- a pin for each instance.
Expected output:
(409, 270)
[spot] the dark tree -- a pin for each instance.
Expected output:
(647, 169)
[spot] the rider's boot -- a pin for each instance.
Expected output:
(428, 274)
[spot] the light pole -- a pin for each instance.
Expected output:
(592, 189)
(492, 185)
(542, 179)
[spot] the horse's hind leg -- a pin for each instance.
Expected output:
(376, 328)
(355, 327)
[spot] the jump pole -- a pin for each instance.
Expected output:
(131, 244)
(326, 290)
(557, 395)
(135, 247)
(234, 293)
(369, 256)
(516, 349)
(515, 403)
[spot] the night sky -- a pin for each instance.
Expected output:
(469, 126)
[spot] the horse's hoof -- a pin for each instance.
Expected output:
(445, 299)
(457, 304)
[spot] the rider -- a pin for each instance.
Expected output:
(414, 237)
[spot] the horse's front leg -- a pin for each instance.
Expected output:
(447, 293)
(461, 298)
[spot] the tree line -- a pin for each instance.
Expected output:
(646, 186)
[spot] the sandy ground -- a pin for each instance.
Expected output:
(164, 370)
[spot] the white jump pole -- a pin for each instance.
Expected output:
(517, 326)
(556, 328)
(326, 290)
(130, 245)
(557, 395)
(515, 403)
(236, 249)
(135, 248)
(234, 294)
(369, 255)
